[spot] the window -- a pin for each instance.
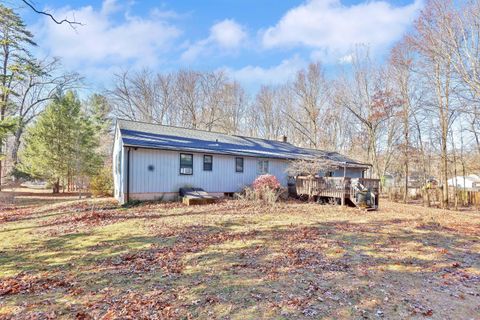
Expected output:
(262, 166)
(186, 163)
(207, 163)
(238, 164)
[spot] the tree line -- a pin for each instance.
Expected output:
(413, 114)
(46, 132)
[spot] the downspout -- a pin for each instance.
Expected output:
(344, 183)
(128, 175)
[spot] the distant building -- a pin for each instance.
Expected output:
(470, 182)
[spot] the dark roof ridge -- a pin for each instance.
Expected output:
(204, 130)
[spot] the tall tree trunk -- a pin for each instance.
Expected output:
(455, 191)
(16, 145)
(405, 123)
(444, 174)
(56, 186)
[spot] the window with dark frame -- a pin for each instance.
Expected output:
(186, 163)
(238, 164)
(207, 163)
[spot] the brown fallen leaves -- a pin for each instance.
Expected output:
(308, 269)
(27, 283)
(169, 258)
(156, 304)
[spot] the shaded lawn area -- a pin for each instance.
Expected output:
(234, 260)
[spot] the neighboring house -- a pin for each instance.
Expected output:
(388, 180)
(471, 182)
(151, 162)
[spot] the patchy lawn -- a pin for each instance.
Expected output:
(232, 260)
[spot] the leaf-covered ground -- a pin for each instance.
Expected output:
(233, 260)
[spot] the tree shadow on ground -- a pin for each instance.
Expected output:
(397, 268)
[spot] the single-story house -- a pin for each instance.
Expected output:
(151, 161)
(470, 182)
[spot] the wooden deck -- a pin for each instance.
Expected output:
(343, 189)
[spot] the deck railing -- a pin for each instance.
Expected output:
(315, 185)
(337, 187)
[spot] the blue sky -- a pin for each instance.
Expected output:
(256, 42)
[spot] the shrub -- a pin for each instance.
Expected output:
(266, 181)
(247, 194)
(266, 189)
(101, 184)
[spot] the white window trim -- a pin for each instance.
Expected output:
(263, 166)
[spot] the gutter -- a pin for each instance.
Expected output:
(128, 175)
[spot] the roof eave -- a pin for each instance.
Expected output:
(244, 154)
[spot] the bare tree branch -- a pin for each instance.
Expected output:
(72, 24)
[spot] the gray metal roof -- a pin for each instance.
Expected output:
(154, 136)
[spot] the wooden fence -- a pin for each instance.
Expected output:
(456, 196)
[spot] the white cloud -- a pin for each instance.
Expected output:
(110, 6)
(109, 36)
(226, 35)
(346, 59)
(329, 27)
(253, 76)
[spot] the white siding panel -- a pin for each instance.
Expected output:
(117, 167)
(166, 175)
(351, 172)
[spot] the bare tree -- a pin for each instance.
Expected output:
(368, 98)
(409, 90)
(166, 99)
(143, 96)
(213, 93)
(311, 167)
(40, 84)
(234, 109)
(266, 115)
(459, 28)
(189, 98)
(72, 23)
(436, 65)
(311, 90)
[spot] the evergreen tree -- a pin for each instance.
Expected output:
(15, 60)
(98, 110)
(6, 126)
(60, 146)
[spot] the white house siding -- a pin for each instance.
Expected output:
(165, 179)
(350, 172)
(115, 163)
(118, 168)
(470, 182)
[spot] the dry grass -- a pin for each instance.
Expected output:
(235, 260)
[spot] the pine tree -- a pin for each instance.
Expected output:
(98, 110)
(60, 146)
(6, 126)
(15, 60)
